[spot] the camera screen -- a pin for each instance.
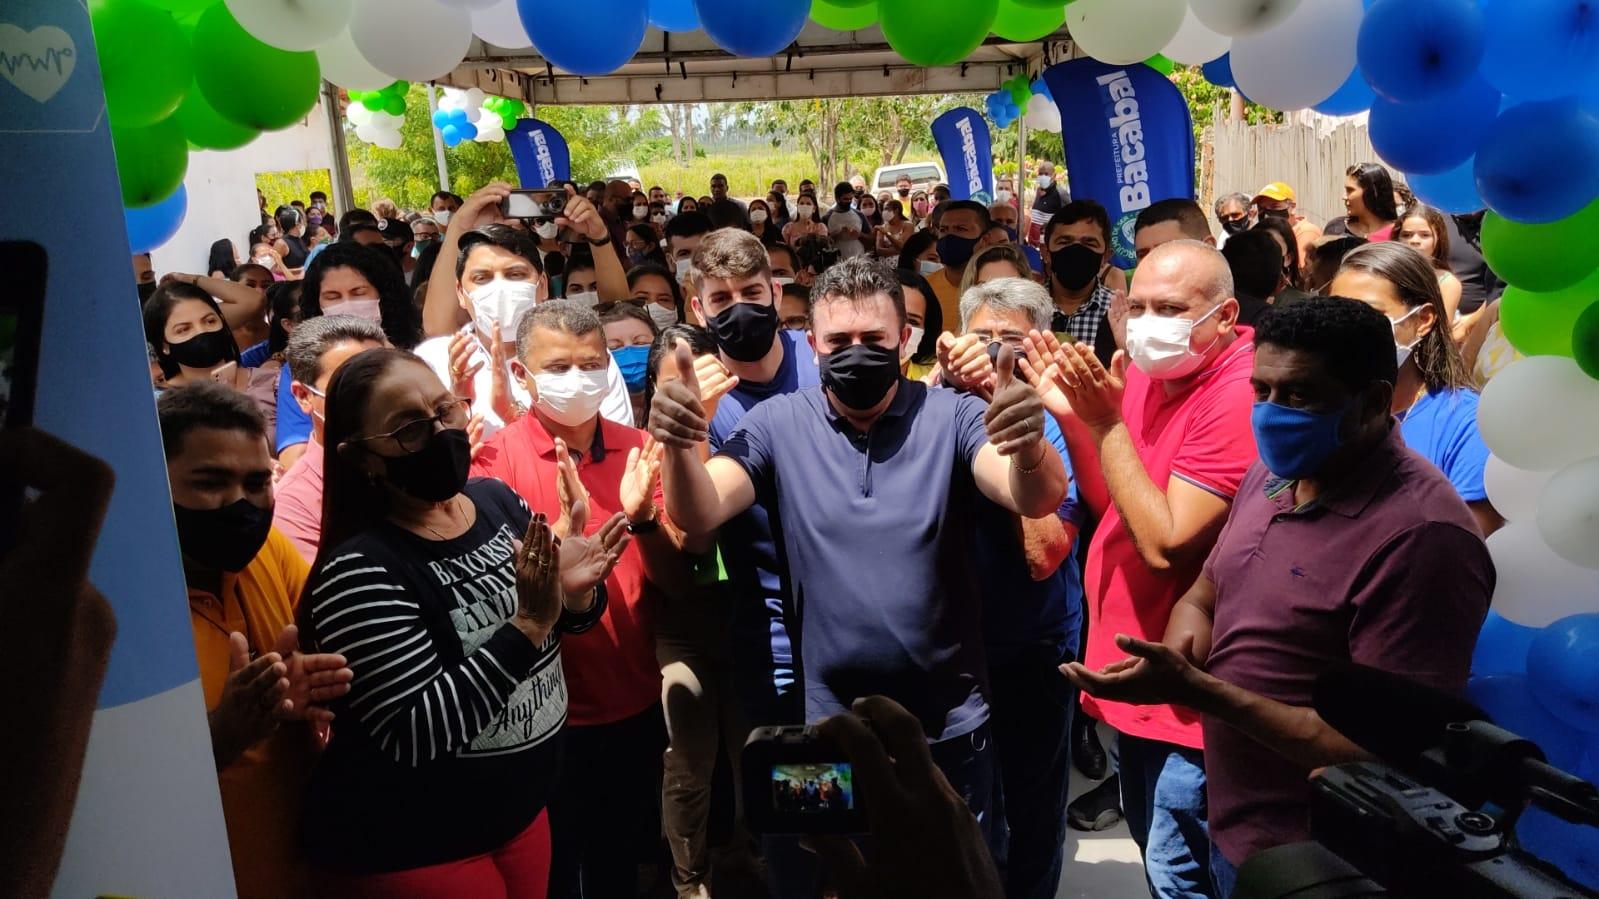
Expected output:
(534, 204)
(813, 788)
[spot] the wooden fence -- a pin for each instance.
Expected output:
(1311, 157)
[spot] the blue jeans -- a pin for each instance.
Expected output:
(1222, 873)
(1163, 799)
(1031, 713)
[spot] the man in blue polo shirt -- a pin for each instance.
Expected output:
(878, 478)
(1032, 618)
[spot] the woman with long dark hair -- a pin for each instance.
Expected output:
(1422, 228)
(223, 259)
(1279, 228)
(653, 285)
(1434, 400)
(449, 600)
(189, 337)
(920, 253)
(1368, 202)
(291, 245)
(807, 221)
(926, 318)
(350, 279)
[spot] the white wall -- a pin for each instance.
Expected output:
(221, 189)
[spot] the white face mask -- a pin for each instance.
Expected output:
(910, 347)
(1044, 182)
(805, 210)
(500, 304)
(781, 281)
(685, 271)
(639, 212)
(442, 216)
(571, 397)
(1159, 345)
(1002, 196)
(367, 309)
(1402, 350)
(264, 261)
(587, 298)
(927, 266)
(663, 316)
(547, 230)
(757, 216)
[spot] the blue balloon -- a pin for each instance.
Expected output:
(441, 117)
(1502, 644)
(151, 226)
(1354, 96)
(1039, 87)
(450, 134)
(1541, 49)
(1219, 71)
(1436, 134)
(1573, 848)
(458, 118)
(1454, 191)
(1410, 50)
(1508, 700)
(467, 131)
(1539, 161)
(674, 15)
(1563, 669)
(565, 33)
(743, 28)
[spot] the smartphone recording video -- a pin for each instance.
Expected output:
(542, 204)
(797, 782)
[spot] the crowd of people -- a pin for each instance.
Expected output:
(501, 535)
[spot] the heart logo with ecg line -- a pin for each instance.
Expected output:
(38, 62)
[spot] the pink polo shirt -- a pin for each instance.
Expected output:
(1202, 436)
(297, 510)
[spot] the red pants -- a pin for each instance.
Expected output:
(518, 870)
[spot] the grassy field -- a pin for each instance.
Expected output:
(749, 173)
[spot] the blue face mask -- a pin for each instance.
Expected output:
(634, 363)
(1294, 442)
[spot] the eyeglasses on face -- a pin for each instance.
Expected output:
(414, 435)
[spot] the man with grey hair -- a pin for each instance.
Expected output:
(589, 474)
(1171, 435)
(1032, 594)
(1234, 214)
(876, 476)
(317, 347)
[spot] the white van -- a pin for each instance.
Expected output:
(923, 176)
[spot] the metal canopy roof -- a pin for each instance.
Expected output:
(687, 67)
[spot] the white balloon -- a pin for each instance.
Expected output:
(474, 113)
(358, 114)
(1122, 32)
(501, 25)
(488, 134)
(1238, 17)
(1568, 514)
(1304, 60)
(1540, 413)
(451, 97)
(389, 140)
(1536, 587)
(1513, 491)
(385, 122)
(474, 97)
(292, 24)
(343, 64)
(413, 40)
(1195, 44)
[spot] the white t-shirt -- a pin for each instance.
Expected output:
(839, 219)
(435, 351)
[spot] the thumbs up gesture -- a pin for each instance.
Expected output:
(677, 415)
(1015, 417)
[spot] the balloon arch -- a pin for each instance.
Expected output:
(1480, 103)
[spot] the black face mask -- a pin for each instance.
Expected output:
(145, 290)
(955, 251)
(744, 331)
(1274, 214)
(860, 374)
(435, 472)
(904, 191)
(1235, 226)
(1074, 266)
(226, 538)
(203, 350)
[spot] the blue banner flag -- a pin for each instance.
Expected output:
(540, 151)
(962, 138)
(1128, 138)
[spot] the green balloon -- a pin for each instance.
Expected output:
(144, 61)
(1161, 64)
(849, 4)
(936, 32)
(843, 16)
(247, 81)
(1543, 257)
(1541, 324)
(1585, 341)
(151, 161)
(207, 129)
(1018, 21)
(183, 7)
(507, 122)
(1043, 4)
(394, 105)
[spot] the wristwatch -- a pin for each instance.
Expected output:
(648, 526)
(600, 243)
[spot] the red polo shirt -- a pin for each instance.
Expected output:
(1202, 436)
(611, 671)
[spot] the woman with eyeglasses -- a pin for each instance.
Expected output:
(450, 599)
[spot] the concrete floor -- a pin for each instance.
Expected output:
(1103, 865)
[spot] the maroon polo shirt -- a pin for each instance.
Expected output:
(1386, 570)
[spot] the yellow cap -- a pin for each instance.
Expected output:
(1276, 191)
